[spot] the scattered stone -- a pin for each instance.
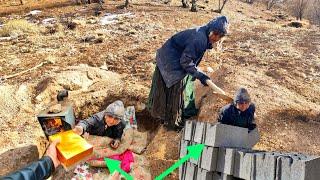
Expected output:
(98, 40)
(17, 158)
(55, 108)
(33, 13)
(92, 21)
(2, 39)
(49, 21)
(89, 38)
(272, 20)
(25, 50)
(281, 16)
(71, 25)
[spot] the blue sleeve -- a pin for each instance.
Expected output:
(222, 116)
(119, 131)
(92, 122)
(252, 125)
(190, 55)
(225, 115)
(42, 169)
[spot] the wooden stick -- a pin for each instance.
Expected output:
(22, 72)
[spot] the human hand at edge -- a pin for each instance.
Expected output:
(115, 143)
(203, 78)
(78, 130)
(52, 152)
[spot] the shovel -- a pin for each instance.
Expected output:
(218, 91)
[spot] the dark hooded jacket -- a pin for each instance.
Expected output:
(95, 125)
(230, 115)
(181, 54)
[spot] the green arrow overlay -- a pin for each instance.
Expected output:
(114, 165)
(194, 152)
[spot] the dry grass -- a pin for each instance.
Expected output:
(18, 27)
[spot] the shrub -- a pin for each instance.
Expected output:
(18, 27)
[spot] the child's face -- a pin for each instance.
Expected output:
(243, 106)
(110, 121)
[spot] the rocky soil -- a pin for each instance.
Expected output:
(280, 66)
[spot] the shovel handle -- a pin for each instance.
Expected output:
(215, 87)
(218, 91)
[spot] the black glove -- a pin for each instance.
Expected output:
(252, 127)
(202, 77)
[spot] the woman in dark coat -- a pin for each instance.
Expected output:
(171, 98)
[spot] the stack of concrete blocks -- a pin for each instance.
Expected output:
(227, 155)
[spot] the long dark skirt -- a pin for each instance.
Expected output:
(171, 105)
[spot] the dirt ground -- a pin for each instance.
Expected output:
(279, 65)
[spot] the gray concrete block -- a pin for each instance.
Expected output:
(222, 176)
(265, 166)
(225, 161)
(283, 170)
(253, 138)
(199, 132)
(195, 161)
(182, 171)
(191, 171)
(188, 130)
(203, 174)
(221, 135)
(183, 147)
(306, 169)
(209, 157)
(243, 163)
(297, 166)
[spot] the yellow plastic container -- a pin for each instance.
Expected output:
(72, 148)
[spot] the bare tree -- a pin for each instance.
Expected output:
(271, 3)
(299, 7)
(316, 13)
(221, 5)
